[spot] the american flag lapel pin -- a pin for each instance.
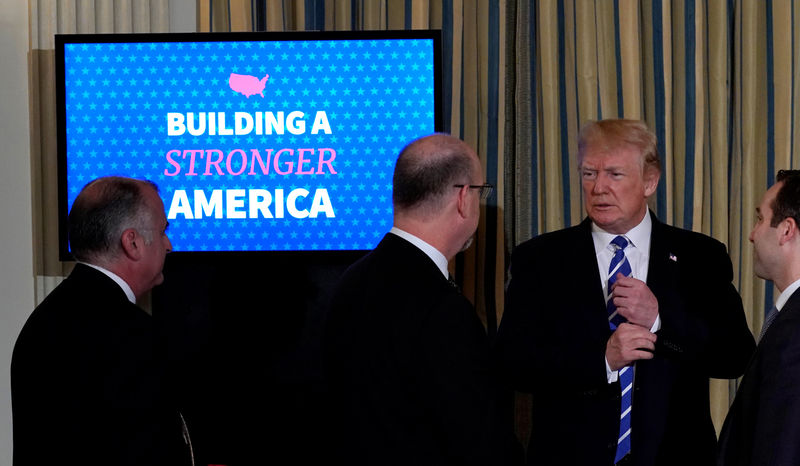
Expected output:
(673, 257)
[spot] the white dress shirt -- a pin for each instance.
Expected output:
(786, 294)
(436, 256)
(117, 279)
(638, 254)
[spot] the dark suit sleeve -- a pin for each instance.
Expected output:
(703, 322)
(455, 372)
(777, 429)
(551, 343)
(547, 328)
(87, 383)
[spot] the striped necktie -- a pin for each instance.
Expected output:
(773, 313)
(619, 264)
(452, 282)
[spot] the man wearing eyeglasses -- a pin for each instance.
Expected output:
(407, 354)
(615, 325)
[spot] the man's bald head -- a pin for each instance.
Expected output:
(427, 169)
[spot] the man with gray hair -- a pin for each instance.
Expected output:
(407, 354)
(88, 384)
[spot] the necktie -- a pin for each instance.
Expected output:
(773, 313)
(452, 282)
(619, 264)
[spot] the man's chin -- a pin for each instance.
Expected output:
(603, 209)
(605, 213)
(603, 219)
(760, 272)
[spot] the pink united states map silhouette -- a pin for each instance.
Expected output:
(247, 85)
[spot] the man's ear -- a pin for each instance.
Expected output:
(651, 177)
(131, 244)
(787, 230)
(462, 202)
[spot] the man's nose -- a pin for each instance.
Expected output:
(600, 184)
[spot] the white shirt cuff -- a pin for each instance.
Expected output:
(613, 376)
(656, 324)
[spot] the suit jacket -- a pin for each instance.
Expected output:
(88, 386)
(407, 362)
(552, 343)
(763, 424)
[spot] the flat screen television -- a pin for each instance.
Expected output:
(257, 141)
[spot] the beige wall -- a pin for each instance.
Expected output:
(16, 252)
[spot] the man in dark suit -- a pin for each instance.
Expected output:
(619, 373)
(763, 424)
(88, 383)
(407, 355)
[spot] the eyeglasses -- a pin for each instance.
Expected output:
(485, 189)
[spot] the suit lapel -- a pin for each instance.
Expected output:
(404, 251)
(788, 311)
(662, 267)
(585, 257)
(654, 376)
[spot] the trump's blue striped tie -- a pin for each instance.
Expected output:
(620, 264)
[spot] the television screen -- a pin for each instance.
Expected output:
(257, 141)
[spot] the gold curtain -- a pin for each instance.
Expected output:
(473, 38)
(714, 79)
(47, 18)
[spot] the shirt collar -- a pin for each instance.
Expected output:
(786, 294)
(117, 279)
(638, 236)
(436, 256)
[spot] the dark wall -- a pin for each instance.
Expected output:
(244, 333)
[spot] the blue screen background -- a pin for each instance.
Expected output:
(378, 95)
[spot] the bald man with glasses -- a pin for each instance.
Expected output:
(407, 354)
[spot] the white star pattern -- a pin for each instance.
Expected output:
(378, 95)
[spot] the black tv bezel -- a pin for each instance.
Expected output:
(62, 39)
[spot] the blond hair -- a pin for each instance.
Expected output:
(609, 135)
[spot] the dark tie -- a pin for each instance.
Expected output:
(452, 282)
(619, 264)
(773, 313)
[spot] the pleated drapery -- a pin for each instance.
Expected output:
(47, 18)
(715, 80)
(474, 48)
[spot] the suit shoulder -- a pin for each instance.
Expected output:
(787, 325)
(376, 265)
(53, 308)
(547, 241)
(693, 240)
